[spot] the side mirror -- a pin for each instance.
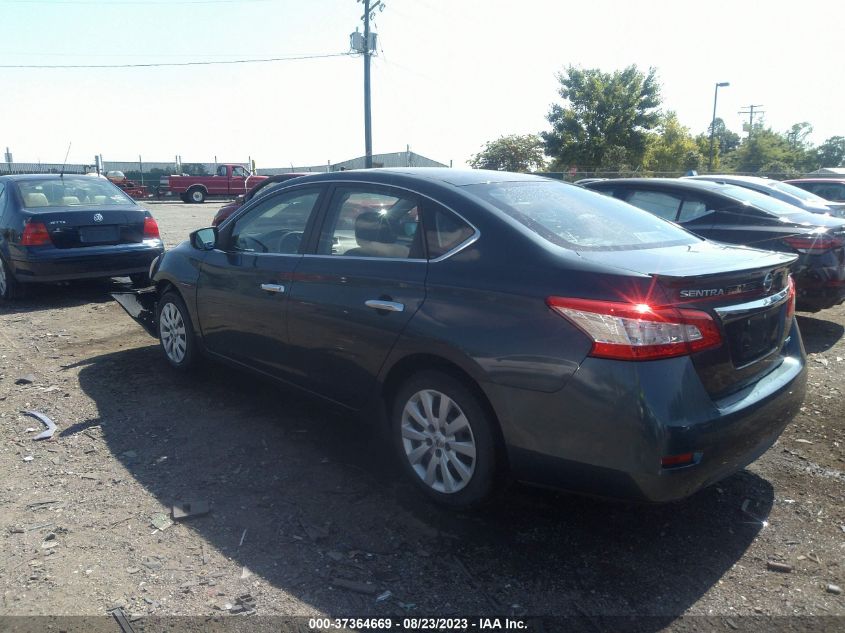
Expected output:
(204, 239)
(240, 198)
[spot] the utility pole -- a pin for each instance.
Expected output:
(367, 46)
(751, 111)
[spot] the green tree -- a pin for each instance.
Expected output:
(725, 140)
(605, 118)
(831, 153)
(511, 153)
(673, 148)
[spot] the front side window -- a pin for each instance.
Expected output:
(275, 225)
(372, 223)
(238, 172)
(71, 192)
(579, 219)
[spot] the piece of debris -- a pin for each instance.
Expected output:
(133, 570)
(384, 596)
(314, 532)
(188, 509)
(35, 505)
(781, 567)
(803, 441)
(354, 585)
(122, 621)
(28, 458)
(26, 379)
(245, 573)
(161, 521)
(243, 536)
(51, 426)
(834, 589)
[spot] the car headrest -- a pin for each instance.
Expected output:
(35, 200)
(371, 226)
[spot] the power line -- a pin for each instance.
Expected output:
(196, 63)
(103, 4)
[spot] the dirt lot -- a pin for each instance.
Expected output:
(304, 500)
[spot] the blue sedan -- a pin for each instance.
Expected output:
(494, 324)
(60, 227)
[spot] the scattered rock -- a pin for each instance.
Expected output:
(26, 379)
(780, 567)
(161, 521)
(354, 585)
(834, 589)
(28, 458)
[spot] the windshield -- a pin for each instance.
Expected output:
(71, 192)
(579, 219)
(760, 200)
(798, 192)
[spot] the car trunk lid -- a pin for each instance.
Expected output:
(746, 291)
(95, 226)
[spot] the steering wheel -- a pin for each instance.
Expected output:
(243, 240)
(289, 244)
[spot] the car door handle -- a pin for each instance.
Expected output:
(389, 306)
(273, 287)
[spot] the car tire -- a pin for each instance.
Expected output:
(140, 280)
(427, 447)
(10, 287)
(196, 195)
(175, 331)
(184, 198)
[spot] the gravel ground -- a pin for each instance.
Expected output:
(309, 517)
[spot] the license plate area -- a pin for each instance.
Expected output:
(99, 234)
(753, 337)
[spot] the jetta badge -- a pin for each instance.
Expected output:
(768, 281)
(98, 217)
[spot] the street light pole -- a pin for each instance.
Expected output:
(723, 84)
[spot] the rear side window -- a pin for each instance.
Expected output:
(693, 209)
(444, 232)
(575, 218)
(378, 223)
(663, 205)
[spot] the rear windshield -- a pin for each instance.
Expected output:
(578, 219)
(760, 200)
(71, 192)
(798, 192)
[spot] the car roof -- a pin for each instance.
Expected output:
(837, 181)
(444, 175)
(683, 183)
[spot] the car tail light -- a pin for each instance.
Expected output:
(790, 302)
(35, 234)
(150, 229)
(637, 331)
(813, 244)
(673, 461)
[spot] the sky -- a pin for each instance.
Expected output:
(449, 76)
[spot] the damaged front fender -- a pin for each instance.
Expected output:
(141, 306)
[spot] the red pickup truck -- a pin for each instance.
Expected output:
(229, 181)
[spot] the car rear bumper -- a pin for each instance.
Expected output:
(54, 264)
(622, 417)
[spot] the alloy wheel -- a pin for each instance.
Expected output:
(174, 337)
(438, 441)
